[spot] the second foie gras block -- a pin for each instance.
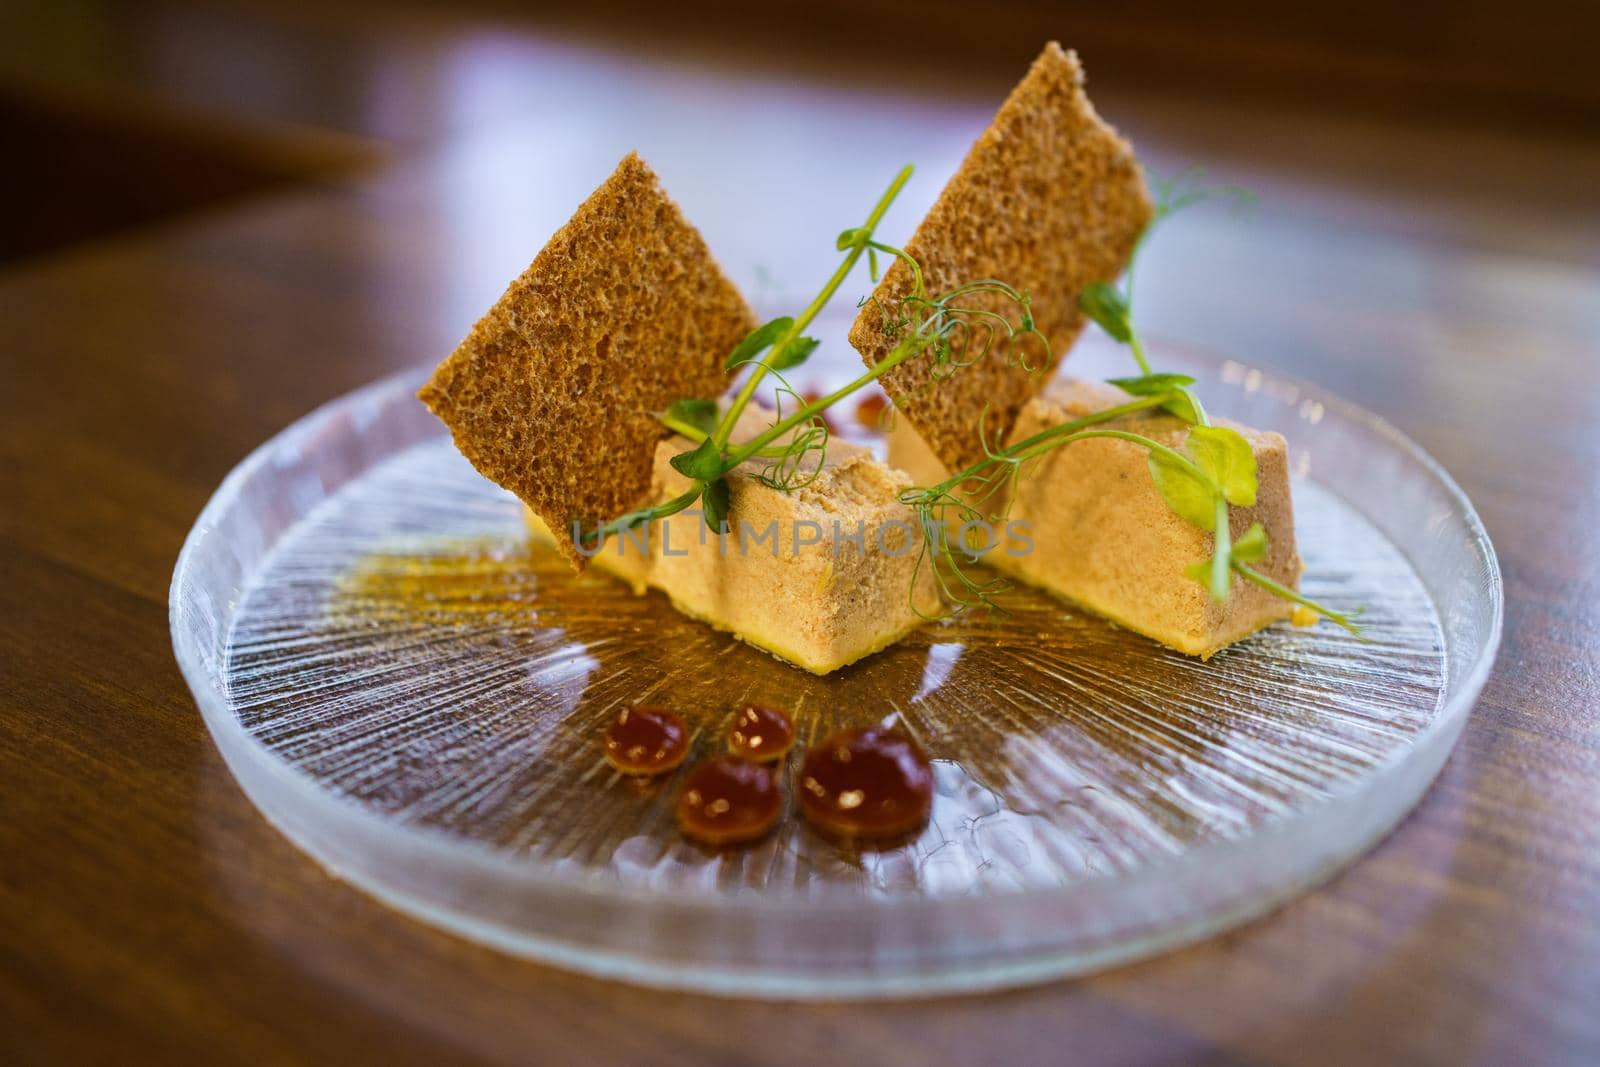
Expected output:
(821, 575)
(1102, 537)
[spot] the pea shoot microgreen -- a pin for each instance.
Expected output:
(945, 327)
(1217, 467)
(1214, 469)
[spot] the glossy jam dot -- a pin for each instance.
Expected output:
(866, 782)
(646, 740)
(761, 733)
(727, 800)
(869, 412)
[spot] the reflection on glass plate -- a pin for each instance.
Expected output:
(417, 697)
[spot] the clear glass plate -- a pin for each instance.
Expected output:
(416, 698)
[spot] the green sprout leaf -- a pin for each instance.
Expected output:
(1184, 405)
(1151, 384)
(699, 414)
(1187, 407)
(758, 341)
(850, 238)
(1227, 459)
(1102, 302)
(704, 463)
(714, 503)
(1347, 620)
(794, 353)
(1251, 546)
(1184, 491)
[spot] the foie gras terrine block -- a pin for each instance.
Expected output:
(821, 575)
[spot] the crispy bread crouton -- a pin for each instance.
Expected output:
(1048, 200)
(553, 392)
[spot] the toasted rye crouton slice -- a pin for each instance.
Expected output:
(553, 392)
(1048, 200)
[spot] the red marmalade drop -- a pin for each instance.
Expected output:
(728, 800)
(761, 733)
(868, 781)
(646, 740)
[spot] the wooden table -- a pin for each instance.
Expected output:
(1446, 279)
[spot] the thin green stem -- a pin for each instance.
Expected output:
(1137, 346)
(901, 254)
(650, 514)
(725, 428)
(1221, 553)
(683, 429)
(697, 435)
(1250, 574)
(1120, 435)
(902, 352)
(1021, 450)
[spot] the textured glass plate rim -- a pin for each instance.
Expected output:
(313, 819)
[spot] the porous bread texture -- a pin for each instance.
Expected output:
(1049, 199)
(814, 595)
(1103, 539)
(553, 394)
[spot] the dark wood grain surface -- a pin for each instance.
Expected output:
(1444, 276)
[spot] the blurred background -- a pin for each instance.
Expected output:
(776, 124)
(344, 187)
